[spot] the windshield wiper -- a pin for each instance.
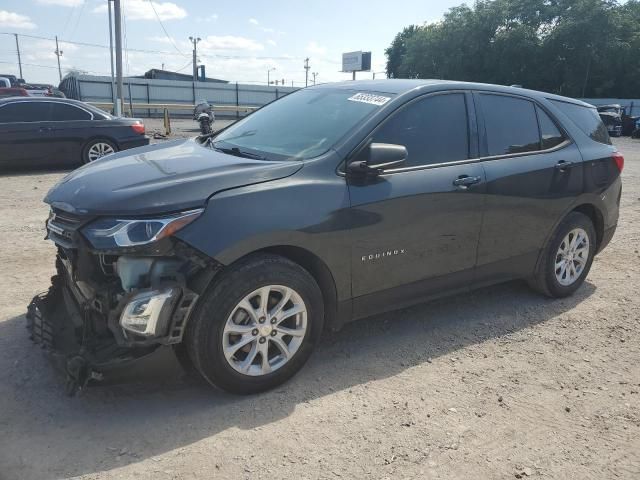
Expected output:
(237, 152)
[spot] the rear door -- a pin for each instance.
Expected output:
(533, 175)
(25, 134)
(71, 126)
(415, 229)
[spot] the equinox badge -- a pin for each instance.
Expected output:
(386, 253)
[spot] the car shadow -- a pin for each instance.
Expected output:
(152, 408)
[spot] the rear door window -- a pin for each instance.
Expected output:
(511, 124)
(586, 119)
(63, 112)
(25, 112)
(433, 129)
(551, 135)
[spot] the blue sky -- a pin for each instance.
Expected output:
(241, 40)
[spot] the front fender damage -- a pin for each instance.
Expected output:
(104, 311)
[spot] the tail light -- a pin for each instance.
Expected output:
(619, 160)
(138, 128)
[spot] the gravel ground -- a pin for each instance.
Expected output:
(501, 383)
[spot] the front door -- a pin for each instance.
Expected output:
(415, 229)
(25, 134)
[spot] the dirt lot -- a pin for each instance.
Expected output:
(498, 384)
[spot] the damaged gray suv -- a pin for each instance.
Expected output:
(331, 204)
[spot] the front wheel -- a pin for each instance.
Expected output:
(205, 127)
(256, 326)
(567, 259)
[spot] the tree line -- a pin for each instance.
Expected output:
(577, 48)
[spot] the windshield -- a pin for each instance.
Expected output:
(302, 125)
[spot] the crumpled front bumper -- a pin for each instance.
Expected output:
(93, 326)
(57, 324)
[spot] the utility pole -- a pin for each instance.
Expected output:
(315, 74)
(195, 41)
(306, 72)
(269, 70)
(113, 79)
(58, 53)
(19, 59)
(117, 13)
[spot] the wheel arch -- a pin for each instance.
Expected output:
(95, 137)
(318, 270)
(596, 217)
(586, 208)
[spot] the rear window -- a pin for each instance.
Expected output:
(511, 124)
(63, 112)
(551, 135)
(587, 120)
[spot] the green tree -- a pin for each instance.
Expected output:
(572, 47)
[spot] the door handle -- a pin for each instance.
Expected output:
(45, 129)
(465, 181)
(563, 165)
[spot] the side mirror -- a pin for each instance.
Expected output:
(381, 156)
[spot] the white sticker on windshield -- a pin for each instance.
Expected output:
(369, 98)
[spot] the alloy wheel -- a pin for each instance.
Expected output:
(98, 150)
(265, 330)
(572, 256)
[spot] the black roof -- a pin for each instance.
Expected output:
(401, 86)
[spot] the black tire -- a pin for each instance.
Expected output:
(205, 127)
(204, 335)
(544, 279)
(91, 143)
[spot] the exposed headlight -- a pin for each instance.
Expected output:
(148, 313)
(107, 233)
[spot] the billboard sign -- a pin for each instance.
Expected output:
(356, 61)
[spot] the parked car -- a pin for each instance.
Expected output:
(611, 116)
(15, 81)
(13, 92)
(51, 131)
(333, 203)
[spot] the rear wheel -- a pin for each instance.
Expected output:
(96, 149)
(256, 326)
(567, 258)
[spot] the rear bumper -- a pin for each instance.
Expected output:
(606, 238)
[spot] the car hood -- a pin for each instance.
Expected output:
(159, 178)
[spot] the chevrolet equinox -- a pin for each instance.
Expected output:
(331, 204)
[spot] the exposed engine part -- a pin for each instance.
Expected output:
(105, 310)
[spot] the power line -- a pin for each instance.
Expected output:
(53, 67)
(160, 52)
(165, 30)
(75, 27)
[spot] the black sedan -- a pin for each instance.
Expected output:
(43, 132)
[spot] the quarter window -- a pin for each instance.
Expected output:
(551, 135)
(511, 124)
(434, 130)
(587, 119)
(25, 112)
